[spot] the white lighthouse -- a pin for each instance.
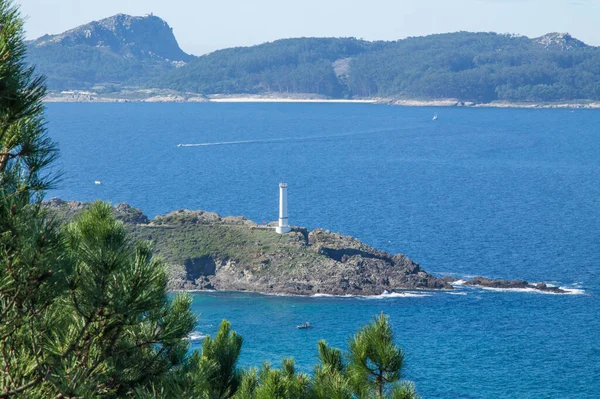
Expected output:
(283, 226)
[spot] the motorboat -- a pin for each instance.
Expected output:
(304, 326)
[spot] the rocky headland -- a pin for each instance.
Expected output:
(205, 251)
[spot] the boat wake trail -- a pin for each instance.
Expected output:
(283, 139)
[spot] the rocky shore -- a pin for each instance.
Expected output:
(206, 251)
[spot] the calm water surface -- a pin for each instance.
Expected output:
(493, 192)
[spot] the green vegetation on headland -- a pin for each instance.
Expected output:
(122, 53)
(84, 309)
(203, 250)
(206, 251)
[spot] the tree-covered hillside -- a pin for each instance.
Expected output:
(480, 67)
(304, 65)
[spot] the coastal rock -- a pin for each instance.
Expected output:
(512, 284)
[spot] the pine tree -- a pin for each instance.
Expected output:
(118, 329)
(32, 269)
(375, 362)
(330, 381)
(83, 311)
(213, 372)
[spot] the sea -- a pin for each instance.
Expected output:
(500, 193)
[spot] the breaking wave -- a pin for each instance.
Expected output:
(196, 336)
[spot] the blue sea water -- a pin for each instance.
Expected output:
(503, 193)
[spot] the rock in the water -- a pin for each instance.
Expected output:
(512, 284)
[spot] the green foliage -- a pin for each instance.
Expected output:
(32, 269)
(404, 390)
(375, 361)
(83, 311)
(214, 371)
(121, 326)
(330, 380)
(284, 383)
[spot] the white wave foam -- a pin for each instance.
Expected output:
(456, 293)
(196, 336)
(389, 295)
(275, 294)
(573, 291)
(458, 282)
(384, 295)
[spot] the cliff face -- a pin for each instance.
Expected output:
(206, 251)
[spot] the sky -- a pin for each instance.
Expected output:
(202, 26)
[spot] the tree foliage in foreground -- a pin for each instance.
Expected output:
(83, 312)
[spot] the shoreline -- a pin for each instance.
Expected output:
(414, 293)
(149, 96)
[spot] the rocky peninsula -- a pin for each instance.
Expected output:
(205, 251)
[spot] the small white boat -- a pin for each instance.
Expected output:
(434, 117)
(304, 326)
(97, 182)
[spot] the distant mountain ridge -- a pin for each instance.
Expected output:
(121, 49)
(142, 52)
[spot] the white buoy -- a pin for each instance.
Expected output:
(283, 226)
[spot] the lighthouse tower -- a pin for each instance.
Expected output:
(283, 226)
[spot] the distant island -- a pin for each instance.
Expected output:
(126, 58)
(205, 251)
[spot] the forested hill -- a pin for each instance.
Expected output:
(118, 50)
(479, 67)
(142, 52)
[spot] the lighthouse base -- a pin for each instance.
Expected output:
(283, 229)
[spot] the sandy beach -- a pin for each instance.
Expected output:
(157, 96)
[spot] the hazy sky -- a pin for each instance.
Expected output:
(202, 26)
